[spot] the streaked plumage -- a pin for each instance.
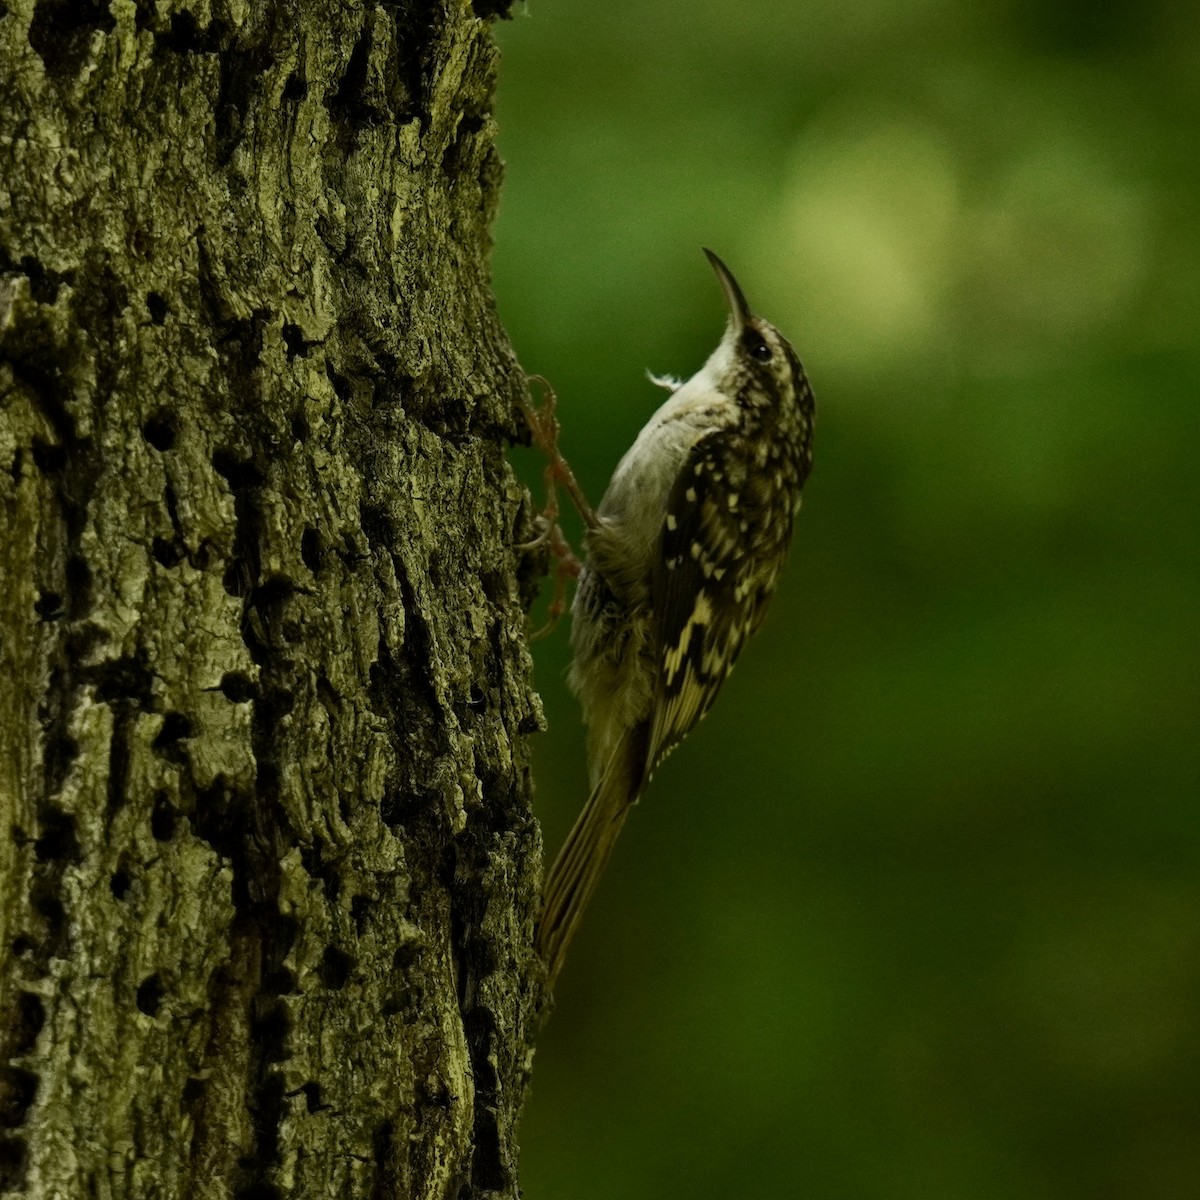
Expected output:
(682, 560)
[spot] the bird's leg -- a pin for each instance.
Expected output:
(543, 425)
(567, 566)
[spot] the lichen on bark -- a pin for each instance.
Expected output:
(267, 861)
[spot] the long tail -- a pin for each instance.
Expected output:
(576, 872)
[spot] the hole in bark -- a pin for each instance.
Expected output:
(23, 944)
(477, 699)
(405, 955)
(310, 550)
(294, 340)
(156, 306)
(52, 910)
(48, 458)
(360, 909)
(175, 728)
(236, 687)
(329, 696)
(376, 523)
(342, 387)
(186, 37)
(349, 103)
(12, 1164)
(58, 842)
(48, 606)
(30, 1017)
(163, 818)
(274, 591)
(18, 1089)
(120, 882)
(61, 32)
(125, 678)
(159, 430)
(313, 859)
(43, 284)
(295, 88)
(336, 966)
(300, 428)
(167, 554)
(150, 994)
(193, 1090)
(312, 1096)
(237, 472)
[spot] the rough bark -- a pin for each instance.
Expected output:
(267, 862)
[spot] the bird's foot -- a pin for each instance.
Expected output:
(543, 425)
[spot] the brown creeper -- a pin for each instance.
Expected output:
(682, 557)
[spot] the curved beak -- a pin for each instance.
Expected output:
(739, 310)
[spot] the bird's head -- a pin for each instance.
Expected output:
(753, 360)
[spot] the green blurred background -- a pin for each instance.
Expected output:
(916, 912)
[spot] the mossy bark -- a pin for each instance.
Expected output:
(267, 861)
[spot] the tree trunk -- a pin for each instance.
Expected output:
(267, 861)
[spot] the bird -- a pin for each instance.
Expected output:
(682, 558)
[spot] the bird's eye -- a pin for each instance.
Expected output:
(756, 346)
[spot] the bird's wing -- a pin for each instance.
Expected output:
(704, 596)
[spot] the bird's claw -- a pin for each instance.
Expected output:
(544, 429)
